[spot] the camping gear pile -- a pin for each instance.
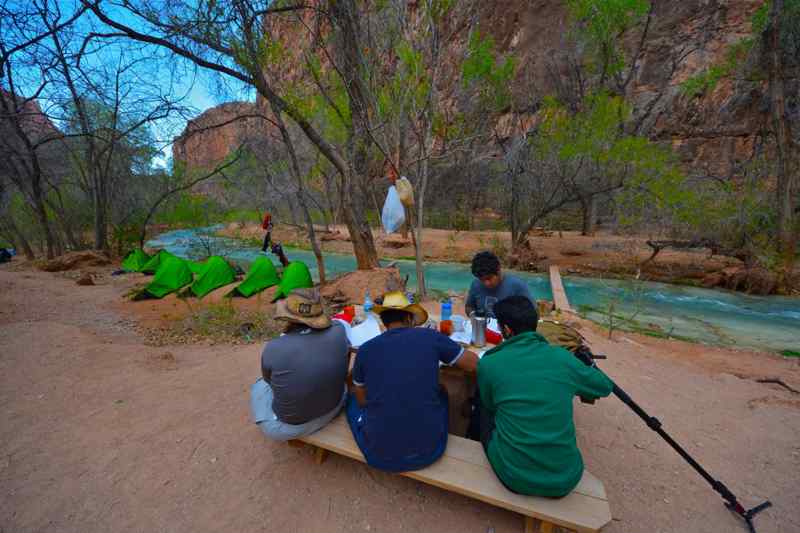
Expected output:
(195, 278)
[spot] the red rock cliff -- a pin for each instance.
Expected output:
(213, 135)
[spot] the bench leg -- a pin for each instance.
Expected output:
(320, 454)
(533, 525)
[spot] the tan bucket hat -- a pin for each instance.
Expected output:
(396, 300)
(303, 306)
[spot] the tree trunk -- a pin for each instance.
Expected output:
(361, 236)
(295, 170)
(514, 216)
(63, 220)
(589, 208)
(783, 139)
(292, 209)
(330, 197)
(312, 235)
(422, 289)
(19, 239)
(100, 214)
(41, 214)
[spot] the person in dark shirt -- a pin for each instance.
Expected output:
(398, 411)
(304, 370)
(266, 225)
(491, 285)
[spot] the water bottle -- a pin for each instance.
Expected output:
(445, 324)
(367, 303)
(447, 309)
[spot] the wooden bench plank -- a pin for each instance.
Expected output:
(463, 472)
(559, 294)
(470, 451)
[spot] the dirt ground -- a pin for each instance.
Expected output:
(602, 254)
(100, 431)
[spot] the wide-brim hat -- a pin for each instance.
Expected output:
(397, 301)
(303, 306)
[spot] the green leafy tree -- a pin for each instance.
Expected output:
(574, 156)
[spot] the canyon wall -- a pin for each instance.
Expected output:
(712, 133)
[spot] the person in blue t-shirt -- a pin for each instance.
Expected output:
(491, 285)
(398, 411)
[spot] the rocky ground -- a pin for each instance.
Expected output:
(103, 430)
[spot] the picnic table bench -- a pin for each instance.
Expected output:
(465, 470)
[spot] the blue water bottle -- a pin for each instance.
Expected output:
(447, 309)
(367, 303)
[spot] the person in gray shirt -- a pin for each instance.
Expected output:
(304, 370)
(491, 285)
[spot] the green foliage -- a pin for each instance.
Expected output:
(708, 79)
(190, 210)
(602, 25)
(592, 141)
(482, 70)
(593, 132)
(242, 216)
(736, 54)
(225, 322)
(790, 353)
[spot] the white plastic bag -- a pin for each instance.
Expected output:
(393, 215)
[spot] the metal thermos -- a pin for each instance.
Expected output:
(478, 329)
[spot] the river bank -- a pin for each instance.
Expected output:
(603, 255)
(714, 317)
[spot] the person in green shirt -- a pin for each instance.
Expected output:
(526, 391)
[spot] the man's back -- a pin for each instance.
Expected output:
(406, 412)
(529, 386)
(308, 370)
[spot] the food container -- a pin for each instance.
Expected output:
(478, 329)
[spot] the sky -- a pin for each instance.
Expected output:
(203, 88)
(206, 89)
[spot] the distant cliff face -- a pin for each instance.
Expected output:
(711, 133)
(209, 138)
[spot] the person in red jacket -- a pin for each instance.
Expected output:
(266, 225)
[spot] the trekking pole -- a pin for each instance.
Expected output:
(731, 502)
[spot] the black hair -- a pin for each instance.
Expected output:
(292, 327)
(390, 316)
(485, 264)
(518, 313)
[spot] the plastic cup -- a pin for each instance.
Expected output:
(446, 327)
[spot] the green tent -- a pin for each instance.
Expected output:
(295, 276)
(197, 267)
(217, 272)
(172, 274)
(153, 264)
(135, 260)
(262, 275)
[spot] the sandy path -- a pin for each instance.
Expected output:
(99, 433)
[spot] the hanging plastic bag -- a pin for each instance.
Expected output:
(405, 191)
(393, 215)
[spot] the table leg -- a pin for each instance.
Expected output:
(320, 454)
(532, 525)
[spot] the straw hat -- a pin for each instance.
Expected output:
(303, 306)
(396, 300)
